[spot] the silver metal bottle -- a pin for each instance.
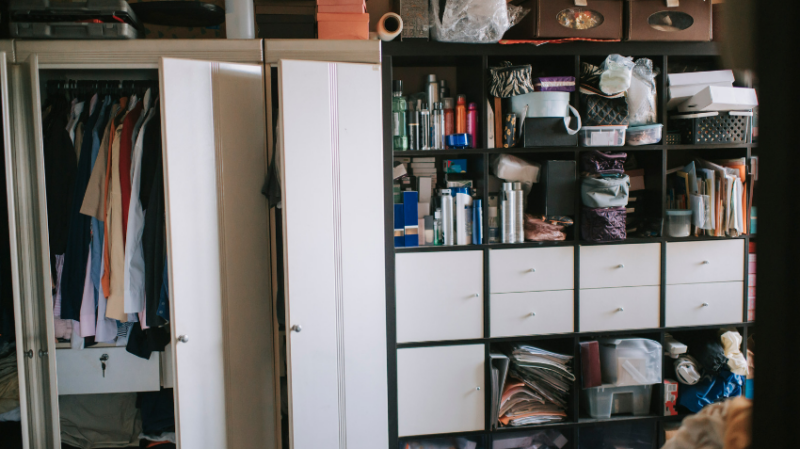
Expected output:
(507, 214)
(519, 213)
(448, 219)
(432, 87)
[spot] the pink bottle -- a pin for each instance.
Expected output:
(472, 123)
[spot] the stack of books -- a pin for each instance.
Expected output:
(342, 19)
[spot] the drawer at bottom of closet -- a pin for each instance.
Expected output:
(532, 313)
(80, 371)
(607, 309)
(706, 303)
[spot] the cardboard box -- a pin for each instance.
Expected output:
(636, 179)
(715, 98)
(542, 22)
(670, 397)
(653, 20)
(349, 26)
(351, 8)
(700, 78)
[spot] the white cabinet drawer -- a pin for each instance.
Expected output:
(701, 304)
(620, 265)
(532, 313)
(531, 269)
(606, 309)
(440, 389)
(80, 371)
(714, 261)
(439, 296)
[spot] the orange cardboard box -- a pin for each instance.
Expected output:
(347, 26)
(354, 8)
(339, 2)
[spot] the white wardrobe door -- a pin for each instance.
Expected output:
(334, 254)
(30, 261)
(214, 164)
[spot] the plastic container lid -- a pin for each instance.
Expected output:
(679, 212)
(643, 127)
(603, 127)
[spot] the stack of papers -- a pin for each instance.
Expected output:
(537, 390)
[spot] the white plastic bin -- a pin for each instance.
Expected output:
(679, 222)
(630, 361)
(541, 104)
(644, 135)
(603, 136)
(607, 400)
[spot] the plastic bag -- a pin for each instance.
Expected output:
(473, 21)
(605, 192)
(711, 389)
(616, 76)
(731, 341)
(642, 94)
(539, 230)
(513, 169)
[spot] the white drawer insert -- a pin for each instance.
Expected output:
(620, 265)
(532, 313)
(80, 371)
(531, 269)
(606, 309)
(711, 261)
(701, 304)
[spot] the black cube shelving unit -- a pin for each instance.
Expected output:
(465, 66)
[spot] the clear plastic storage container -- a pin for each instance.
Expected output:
(603, 136)
(630, 361)
(644, 135)
(607, 400)
(679, 222)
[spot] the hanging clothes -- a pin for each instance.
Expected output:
(114, 223)
(79, 232)
(154, 233)
(60, 168)
(125, 147)
(134, 257)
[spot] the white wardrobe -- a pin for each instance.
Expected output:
(224, 358)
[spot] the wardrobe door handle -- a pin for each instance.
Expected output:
(29, 353)
(621, 309)
(42, 353)
(297, 328)
(183, 338)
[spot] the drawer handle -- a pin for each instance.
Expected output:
(476, 295)
(42, 353)
(477, 388)
(532, 270)
(533, 313)
(297, 328)
(183, 338)
(705, 304)
(621, 309)
(705, 262)
(622, 265)
(29, 353)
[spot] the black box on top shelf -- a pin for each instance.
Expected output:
(548, 132)
(554, 194)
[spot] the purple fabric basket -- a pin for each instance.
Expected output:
(554, 84)
(603, 225)
(598, 163)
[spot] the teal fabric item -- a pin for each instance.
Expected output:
(605, 192)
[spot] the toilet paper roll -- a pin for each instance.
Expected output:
(389, 26)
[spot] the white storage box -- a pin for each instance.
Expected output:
(679, 94)
(541, 104)
(715, 98)
(630, 361)
(644, 135)
(607, 400)
(707, 78)
(603, 136)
